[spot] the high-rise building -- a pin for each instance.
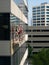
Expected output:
(40, 15)
(23, 5)
(13, 37)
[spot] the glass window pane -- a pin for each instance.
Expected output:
(4, 26)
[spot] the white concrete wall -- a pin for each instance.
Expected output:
(25, 1)
(17, 12)
(24, 57)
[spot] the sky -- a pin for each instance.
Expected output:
(32, 3)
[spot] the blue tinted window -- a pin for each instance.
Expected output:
(42, 12)
(42, 6)
(38, 7)
(34, 8)
(47, 18)
(38, 10)
(34, 24)
(42, 15)
(34, 21)
(47, 15)
(47, 12)
(47, 21)
(38, 13)
(34, 13)
(34, 18)
(47, 6)
(38, 18)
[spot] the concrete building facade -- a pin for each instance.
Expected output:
(38, 37)
(40, 15)
(13, 36)
(23, 5)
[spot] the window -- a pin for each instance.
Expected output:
(42, 18)
(29, 30)
(47, 21)
(42, 12)
(38, 10)
(47, 6)
(42, 24)
(34, 13)
(34, 24)
(40, 47)
(47, 12)
(48, 24)
(34, 8)
(42, 9)
(47, 9)
(42, 6)
(38, 13)
(40, 41)
(47, 30)
(40, 35)
(26, 30)
(47, 15)
(38, 18)
(34, 18)
(42, 21)
(47, 18)
(38, 24)
(29, 35)
(38, 21)
(42, 15)
(28, 41)
(36, 30)
(38, 7)
(5, 60)
(4, 26)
